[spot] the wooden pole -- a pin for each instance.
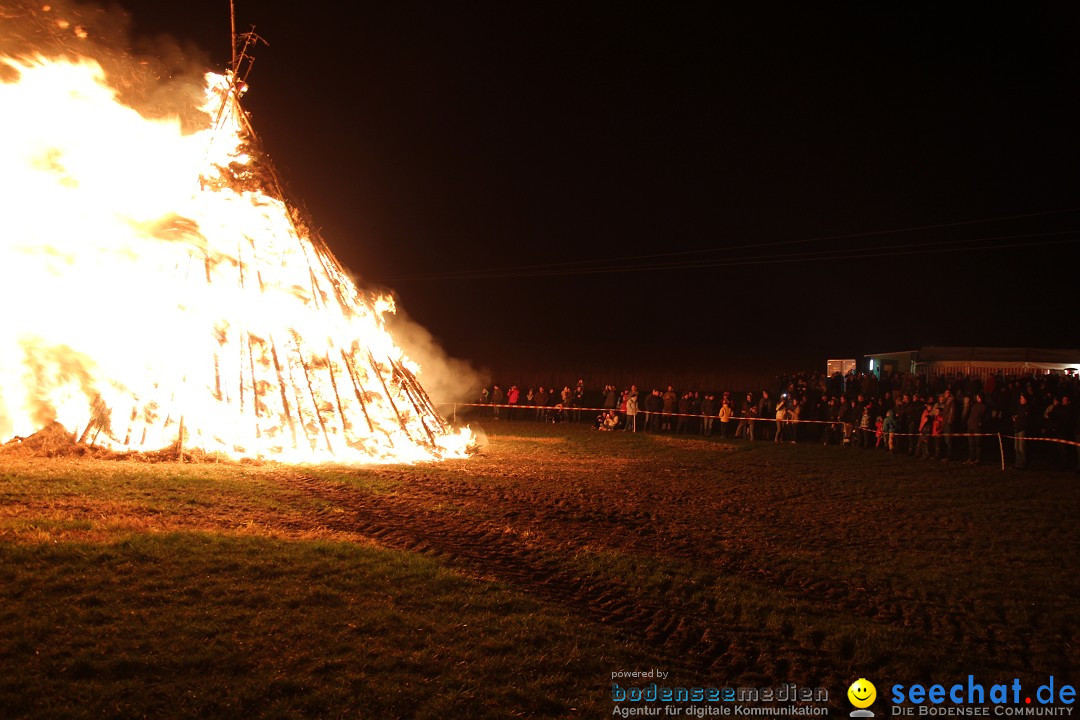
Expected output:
(254, 383)
(337, 394)
(247, 341)
(94, 422)
(418, 391)
(314, 399)
(419, 412)
(389, 395)
(180, 442)
(131, 425)
(359, 390)
(232, 32)
(281, 387)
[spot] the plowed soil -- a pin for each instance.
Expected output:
(736, 563)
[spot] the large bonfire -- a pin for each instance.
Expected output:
(159, 292)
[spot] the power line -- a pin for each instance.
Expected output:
(804, 256)
(778, 260)
(569, 264)
(704, 262)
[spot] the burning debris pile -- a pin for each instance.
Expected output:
(159, 292)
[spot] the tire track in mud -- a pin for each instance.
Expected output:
(682, 632)
(684, 511)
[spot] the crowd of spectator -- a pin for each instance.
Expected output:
(948, 418)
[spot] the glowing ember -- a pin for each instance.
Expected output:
(154, 286)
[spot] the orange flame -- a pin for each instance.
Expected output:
(155, 290)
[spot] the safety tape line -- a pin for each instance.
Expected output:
(753, 418)
(1062, 441)
(568, 408)
(953, 435)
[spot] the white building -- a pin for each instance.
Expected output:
(982, 361)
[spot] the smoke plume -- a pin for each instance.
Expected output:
(446, 379)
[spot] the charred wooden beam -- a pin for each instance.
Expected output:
(314, 399)
(389, 395)
(281, 388)
(337, 395)
(358, 388)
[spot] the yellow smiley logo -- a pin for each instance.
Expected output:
(862, 693)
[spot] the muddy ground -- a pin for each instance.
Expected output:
(734, 564)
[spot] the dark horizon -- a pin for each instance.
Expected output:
(774, 154)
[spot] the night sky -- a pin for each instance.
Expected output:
(477, 158)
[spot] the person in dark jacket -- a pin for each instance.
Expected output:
(746, 425)
(926, 429)
(695, 409)
(974, 416)
(670, 404)
(948, 422)
(609, 397)
(1062, 425)
(1021, 423)
(832, 430)
(912, 417)
(766, 408)
(541, 400)
(684, 407)
(847, 419)
(653, 405)
(708, 409)
(900, 413)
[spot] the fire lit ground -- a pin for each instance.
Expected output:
(514, 583)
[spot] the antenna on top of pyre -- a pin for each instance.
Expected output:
(240, 64)
(232, 28)
(241, 44)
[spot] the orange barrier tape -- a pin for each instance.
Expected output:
(753, 418)
(569, 408)
(1046, 439)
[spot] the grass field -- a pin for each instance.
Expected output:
(514, 583)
